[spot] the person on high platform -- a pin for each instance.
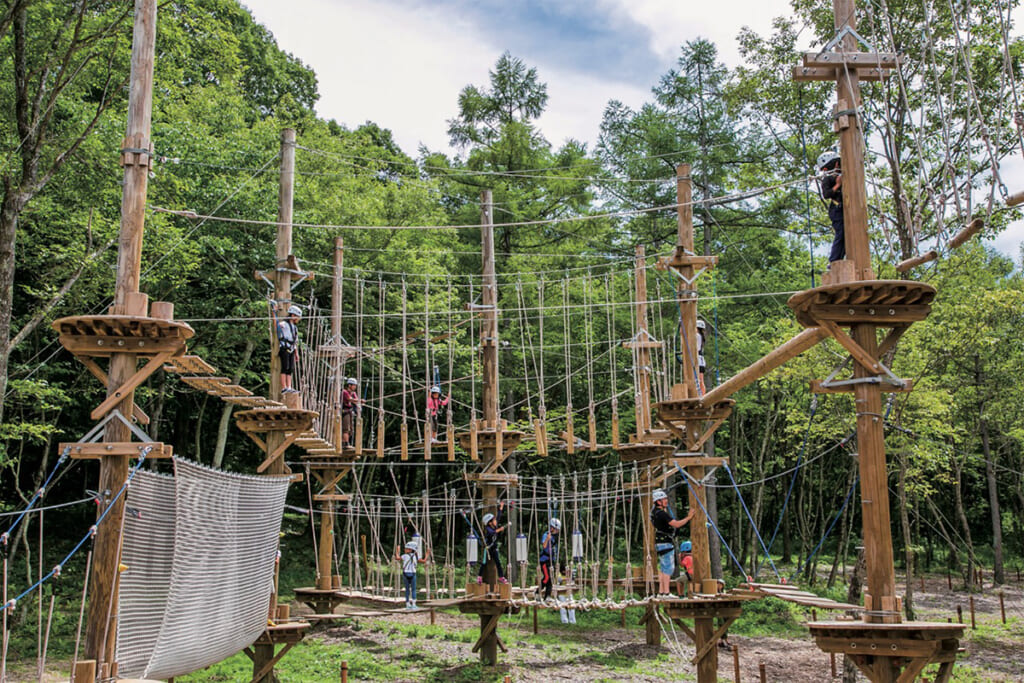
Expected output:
(288, 346)
(831, 184)
(434, 404)
(349, 405)
(665, 528)
(548, 556)
(701, 363)
(492, 544)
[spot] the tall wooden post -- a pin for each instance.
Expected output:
(685, 288)
(101, 624)
(881, 578)
(282, 276)
(643, 350)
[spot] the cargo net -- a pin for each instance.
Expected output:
(200, 549)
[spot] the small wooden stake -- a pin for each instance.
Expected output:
(1002, 606)
(534, 620)
(763, 672)
(344, 672)
(570, 438)
(380, 435)
(405, 441)
(949, 580)
(832, 657)
(959, 614)
(359, 436)
(736, 663)
(973, 624)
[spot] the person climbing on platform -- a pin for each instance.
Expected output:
(548, 555)
(288, 347)
(665, 528)
(831, 185)
(410, 559)
(349, 405)
(435, 403)
(701, 364)
(492, 544)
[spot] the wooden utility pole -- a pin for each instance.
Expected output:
(136, 157)
(283, 253)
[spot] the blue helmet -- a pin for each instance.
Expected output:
(685, 547)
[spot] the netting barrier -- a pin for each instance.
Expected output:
(200, 550)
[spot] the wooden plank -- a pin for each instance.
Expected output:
(885, 60)
(129, 448)
(808, 73)
(106, 345)
(888, 647)
(817, 388)
(880, 314)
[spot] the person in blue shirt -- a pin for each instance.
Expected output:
(548, 555)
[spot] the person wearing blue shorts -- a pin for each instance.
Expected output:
(665, 528)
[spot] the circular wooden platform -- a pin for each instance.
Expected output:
(106, 335)
(882, 302)
(686, 409)
(274, 420)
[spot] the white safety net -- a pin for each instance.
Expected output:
(207, 593)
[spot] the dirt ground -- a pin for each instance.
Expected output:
(994, 652)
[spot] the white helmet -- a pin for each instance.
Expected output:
(555, 523)
(659, 494)
(411, 545)
(436, 389)
(351, 380)
(701, 324)
(294, 310)
(488, 517)
(827, 157)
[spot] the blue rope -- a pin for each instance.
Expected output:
(796, 470)
(753, 524)
(10, 604)
(828, 531)
(35, 498)
(711, 522)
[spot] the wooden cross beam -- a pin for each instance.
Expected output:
(135, 380)
(97, 372)
(289, 439)
(486, 631)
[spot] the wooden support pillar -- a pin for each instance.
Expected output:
(101, 625)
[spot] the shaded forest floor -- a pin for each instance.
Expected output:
(406, 647)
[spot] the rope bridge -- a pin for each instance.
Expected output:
(197, 546)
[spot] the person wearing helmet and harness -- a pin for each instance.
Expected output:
(492, 544)
(701, 364)
(349, 404)
(665, 528)
(288, 347)
(548, 555)
(409, 560)
(435, 403)
(832, 192)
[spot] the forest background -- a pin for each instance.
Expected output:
(224, 91)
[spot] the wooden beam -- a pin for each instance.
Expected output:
(885, 60)
(126, 388)
(967, 233)
(863, 358)
(911, 263)
(807, 73)
(877, 314)
(97, 372)
(759, 368)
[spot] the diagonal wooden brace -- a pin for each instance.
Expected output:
(269, 666)
(97, 372)
(328, 484)
(855, 350)
(140, 376)
(486, 631)
(279, 451)
(259, 442)
(713, 640)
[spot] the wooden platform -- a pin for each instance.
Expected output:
(791, 593)
(685, 409)
(882, 302)
(274, 420)
(643, 452)
(892, 652)
(106, 335)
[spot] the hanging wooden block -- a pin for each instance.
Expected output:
(592, 431)
(570, 438)
(540, 434)
(967, 233)
(499, 441)
(615, 429)
(405, 440)
(904, 266)
(1015, 199)
(474, 453)
(380, 436)
(428, 438)
(359, 436)
(451, 442)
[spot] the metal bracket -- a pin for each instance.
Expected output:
(96, 433)
(847, 31)
(689, 281)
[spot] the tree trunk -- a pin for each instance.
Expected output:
(998, 576)
(198, 434)
(8, 229)
(964, 524)
(844, 532)
(954, 555)
(908, 548)
(225, 415)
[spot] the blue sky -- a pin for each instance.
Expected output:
(402, 63)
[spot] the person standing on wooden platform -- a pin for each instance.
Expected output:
(434, 404)
(548, 555)
(410, 559)
(492, 544)
(665, 528)
(349, 404)
(288, 347)
(832, 192)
